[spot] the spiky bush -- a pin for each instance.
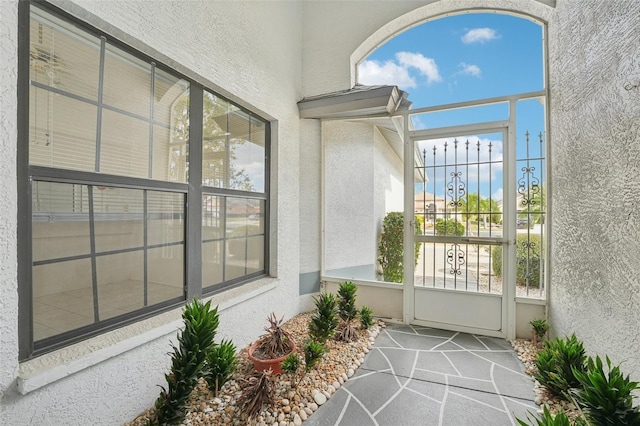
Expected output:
(606, 397)
(547, 419)
(313, 352)
(347, 301)
(324, 322)
(276, 342)
(187, 360)
(257, 390)
(557, 363)
(290, 365)
(366, 318)
(221, 363)
(347, 311)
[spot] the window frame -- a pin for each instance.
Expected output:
(193, 191)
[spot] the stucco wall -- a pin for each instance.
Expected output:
(8, 196)
(251, 53)
(388, 180)
(595, 132)
(349, 229)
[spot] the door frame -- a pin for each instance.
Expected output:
(507, 128)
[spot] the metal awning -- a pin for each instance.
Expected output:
(358, 102)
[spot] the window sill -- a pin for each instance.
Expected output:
(51, 367)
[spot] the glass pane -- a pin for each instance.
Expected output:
(62, 297)
(165, 269)
(237, 216)
(212, 211)
(171, 100)
(212, 255)
(235, 260)
(127, 82)
(118, 218)
(170, 156)
(62, 131)
(63, 56)
(125, 145)
(165, 217)
(120, 283)
(215, 141)
(60, 219)
(255, 254)
(247, 152)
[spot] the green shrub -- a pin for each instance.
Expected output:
(324, 322)
(347, 301)
(221, 363)
(540, 326)
(547, 419)
(449, 227)
(195, 341)
(523, 251)
(391, 249)
(347, 311)
(606, 398)
(313, 352)
(290, 365)
(366, 318)
(558, 362)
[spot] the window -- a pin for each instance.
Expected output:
(105, 167)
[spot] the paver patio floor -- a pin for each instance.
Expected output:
(423, 376)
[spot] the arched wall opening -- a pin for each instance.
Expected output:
(537, 13)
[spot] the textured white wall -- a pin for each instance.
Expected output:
(251, 51)
(8, 196)
(310, 175)
(349, 197)
(388, 180)
(594, 51)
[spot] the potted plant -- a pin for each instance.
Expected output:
(268, 352)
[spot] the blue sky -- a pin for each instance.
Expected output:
(461, 58)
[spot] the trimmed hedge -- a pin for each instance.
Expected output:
(449, 227)
(390, 247)
(521, 259)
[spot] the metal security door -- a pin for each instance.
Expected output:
(460, 241)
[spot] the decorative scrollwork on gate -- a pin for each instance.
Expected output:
(455, 259)
(456, 189)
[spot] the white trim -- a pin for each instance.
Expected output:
(48, 368)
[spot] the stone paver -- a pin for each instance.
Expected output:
(422, 376)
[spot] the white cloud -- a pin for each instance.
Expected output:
(374, 72)
(469, 69)
(425, 66)
(498, 195)
(479, 35)
(397, 72)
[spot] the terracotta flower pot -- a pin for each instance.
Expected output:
(266, 364)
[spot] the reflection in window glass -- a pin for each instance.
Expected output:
(118, 218)
(62, 56)
(109, 244)
(127, 82)
(62, 131)
(125, 145)
(247, 159)
(233, 150)
(165, 217)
